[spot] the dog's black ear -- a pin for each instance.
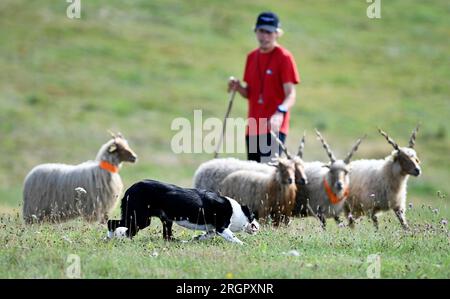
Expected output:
(248, 213)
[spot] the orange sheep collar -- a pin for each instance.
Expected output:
(331, 196)
(108, 166)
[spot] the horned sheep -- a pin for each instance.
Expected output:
(327, 189)
(381, 185)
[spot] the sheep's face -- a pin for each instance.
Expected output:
(408, 160)
(300, 175)
(286, 169)
(338, 177)
(405, 156)
(122, 149)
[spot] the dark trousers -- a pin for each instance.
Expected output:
(261, 148)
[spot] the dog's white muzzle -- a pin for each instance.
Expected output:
(252, 227)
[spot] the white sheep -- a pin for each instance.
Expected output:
(210, 174)
(380, 185)
(267, 194)
(327, 187)
(49, 189)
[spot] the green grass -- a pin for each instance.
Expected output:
(135, 66)
(41, 251)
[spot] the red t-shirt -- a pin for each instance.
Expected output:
(265, 74)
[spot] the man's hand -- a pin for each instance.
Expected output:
(276, 121)
(233, 84)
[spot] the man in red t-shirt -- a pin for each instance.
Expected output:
(270, 76)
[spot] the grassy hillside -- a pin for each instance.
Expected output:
(134, 66)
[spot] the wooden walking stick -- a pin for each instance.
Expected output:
(230, 104)
(283, 147)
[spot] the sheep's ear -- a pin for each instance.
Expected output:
(395, 154)
(112, 134)
(326, 165)
(119, 135)
(112, 148)
(274, 164)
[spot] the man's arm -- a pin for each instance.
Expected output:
(289, 91)
(235, 84)
(277, 119)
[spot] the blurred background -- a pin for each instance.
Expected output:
(134, 66)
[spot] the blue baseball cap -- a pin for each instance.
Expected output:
(268, 21)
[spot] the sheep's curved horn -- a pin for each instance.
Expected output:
(389, 139)
(354, 149)
(301, 146)
(281, 144)
(326, 147)
(412, 140)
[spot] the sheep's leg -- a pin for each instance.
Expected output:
(91, 218)
(303, 210)
(374, 218)
(287, 220)
(338, 220)
(401, 217)
(321, 216)
(317, 215)
(322, 219)
(351, 221)
(104, 219)
(276, 219)
(348, 212)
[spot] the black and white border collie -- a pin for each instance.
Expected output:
(191, 208)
